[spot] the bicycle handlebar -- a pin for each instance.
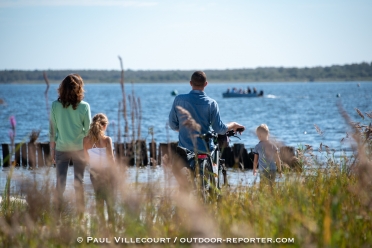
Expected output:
(208, 135)
(213, 134)
(232, 133)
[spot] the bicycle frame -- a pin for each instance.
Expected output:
(211, 169)
(209, 174)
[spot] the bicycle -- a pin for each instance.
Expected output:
(208, 170)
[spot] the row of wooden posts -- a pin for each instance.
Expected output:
(34, 155)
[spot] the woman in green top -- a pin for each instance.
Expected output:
(69, 123)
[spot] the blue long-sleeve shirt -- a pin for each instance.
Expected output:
(204, 110)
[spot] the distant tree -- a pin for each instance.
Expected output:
(361, 71)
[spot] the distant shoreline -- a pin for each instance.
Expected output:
(336, 73)
(186, 82)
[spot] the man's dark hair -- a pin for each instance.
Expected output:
(198, 78)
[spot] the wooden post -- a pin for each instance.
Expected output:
(167, 149)
(24, 154)
(162, 150)
(129, 154)
(159, 152)
(46, 150)
(31, 155)
(142, 158)
(40, 158)
(17, 154)
(117, 153)
(238, 154)
(228, 155)
(6, 155)
(152, 149)
(248, 160)
(288, 156)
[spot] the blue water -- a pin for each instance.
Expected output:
(289, 109)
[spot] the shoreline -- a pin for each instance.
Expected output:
(186, 82)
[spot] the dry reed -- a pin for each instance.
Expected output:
(126, 129)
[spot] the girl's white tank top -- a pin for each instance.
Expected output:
(97, 157)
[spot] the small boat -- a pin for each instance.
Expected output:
(235, 94)
(174, 93)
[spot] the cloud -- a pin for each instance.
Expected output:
(118, 3)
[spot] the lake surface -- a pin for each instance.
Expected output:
(289, 109)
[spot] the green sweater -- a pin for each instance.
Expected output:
(68, 127)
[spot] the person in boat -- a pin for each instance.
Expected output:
(69, 124)
(228, 90)
(99, 154)
(249, 90)
(254, 90)
(204, 111)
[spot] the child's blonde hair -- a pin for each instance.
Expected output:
(96, 127)
(263, 128)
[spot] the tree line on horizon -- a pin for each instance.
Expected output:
(348, 72)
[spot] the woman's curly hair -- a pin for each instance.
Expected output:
(96, 127)
(71, 91)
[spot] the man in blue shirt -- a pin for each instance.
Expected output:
(203, 109)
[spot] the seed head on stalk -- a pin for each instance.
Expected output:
(318, 130)
(12, 134)
(189, 123)
(34, 136)
(359, 113)
(126, 129)
(46, 92)
(13, 122)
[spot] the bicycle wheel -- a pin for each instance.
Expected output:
(208, 182)
(222, 175)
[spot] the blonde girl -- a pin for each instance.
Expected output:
(99, 154)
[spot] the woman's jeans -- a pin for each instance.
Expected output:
(62, 163)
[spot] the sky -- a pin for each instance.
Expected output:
(183, 35)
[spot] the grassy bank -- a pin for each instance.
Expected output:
(325, 208)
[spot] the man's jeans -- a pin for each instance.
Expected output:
(62, 162)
